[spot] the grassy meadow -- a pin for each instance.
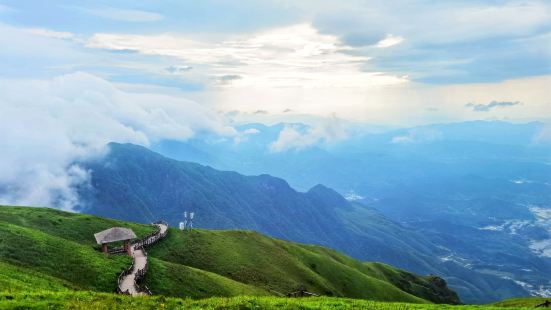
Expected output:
(49, 260)
(94, 300)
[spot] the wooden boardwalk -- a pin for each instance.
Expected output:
(129, 279)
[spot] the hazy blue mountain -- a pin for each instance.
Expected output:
(480, 191)
(133, 183)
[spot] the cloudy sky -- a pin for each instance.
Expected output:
(367, 61)
(75, 75)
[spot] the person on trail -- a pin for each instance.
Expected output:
(545, 304)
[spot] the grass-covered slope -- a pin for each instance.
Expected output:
(427, 287)
(60, 245)
(101, 301)
(81, 265)
(71, 226)
(48, 249)
(45, 249)
(530, 302)
(17, 279)
(281, 267)
(171, 279)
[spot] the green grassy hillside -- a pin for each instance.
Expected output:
(48, 249)
(100, 301)
(16, 279)
(522, 302)
(171, 279)
(45, 249)
(280, 267)
(81, 265)
(71, 226)
(428, 287)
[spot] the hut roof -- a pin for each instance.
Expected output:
(114, 234)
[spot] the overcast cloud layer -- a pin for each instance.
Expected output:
(76, 76)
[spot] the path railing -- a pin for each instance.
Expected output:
(152, 238)
(123, 274)
(139, 245)
(117, 250)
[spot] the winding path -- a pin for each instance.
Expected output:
(127, 284)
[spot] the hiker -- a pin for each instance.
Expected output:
(545, 304)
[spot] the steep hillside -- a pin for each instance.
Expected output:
(16, 279)
(133, 183)
(80, 265)
(49, 249)
(280, 267)
(196, 264)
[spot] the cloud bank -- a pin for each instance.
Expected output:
(297, 138)
(492, 105)
(48, 126)
(291, 56)
(417, 135)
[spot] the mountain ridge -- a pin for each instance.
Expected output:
(134, 183)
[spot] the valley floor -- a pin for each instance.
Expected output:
(93, 300)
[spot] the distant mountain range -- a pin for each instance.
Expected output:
(134, 183)
(479, 190)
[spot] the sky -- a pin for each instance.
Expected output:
(365, 61)
(75, 75)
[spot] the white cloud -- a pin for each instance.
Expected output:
(251, 131)
(49, 125)
(123, 14)
(483, 21)
(243, 136)
(417, 135)
(293, 137)
(36, 48)
(435, 23)
(294, 56)
(544, 136)
(51, 33)
(389, 40)
(302, 69)
(299, 68)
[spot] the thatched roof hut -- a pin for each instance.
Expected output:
(114, 234)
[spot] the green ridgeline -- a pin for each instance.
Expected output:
(280, 266)
(44, 250)
(60, 246)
